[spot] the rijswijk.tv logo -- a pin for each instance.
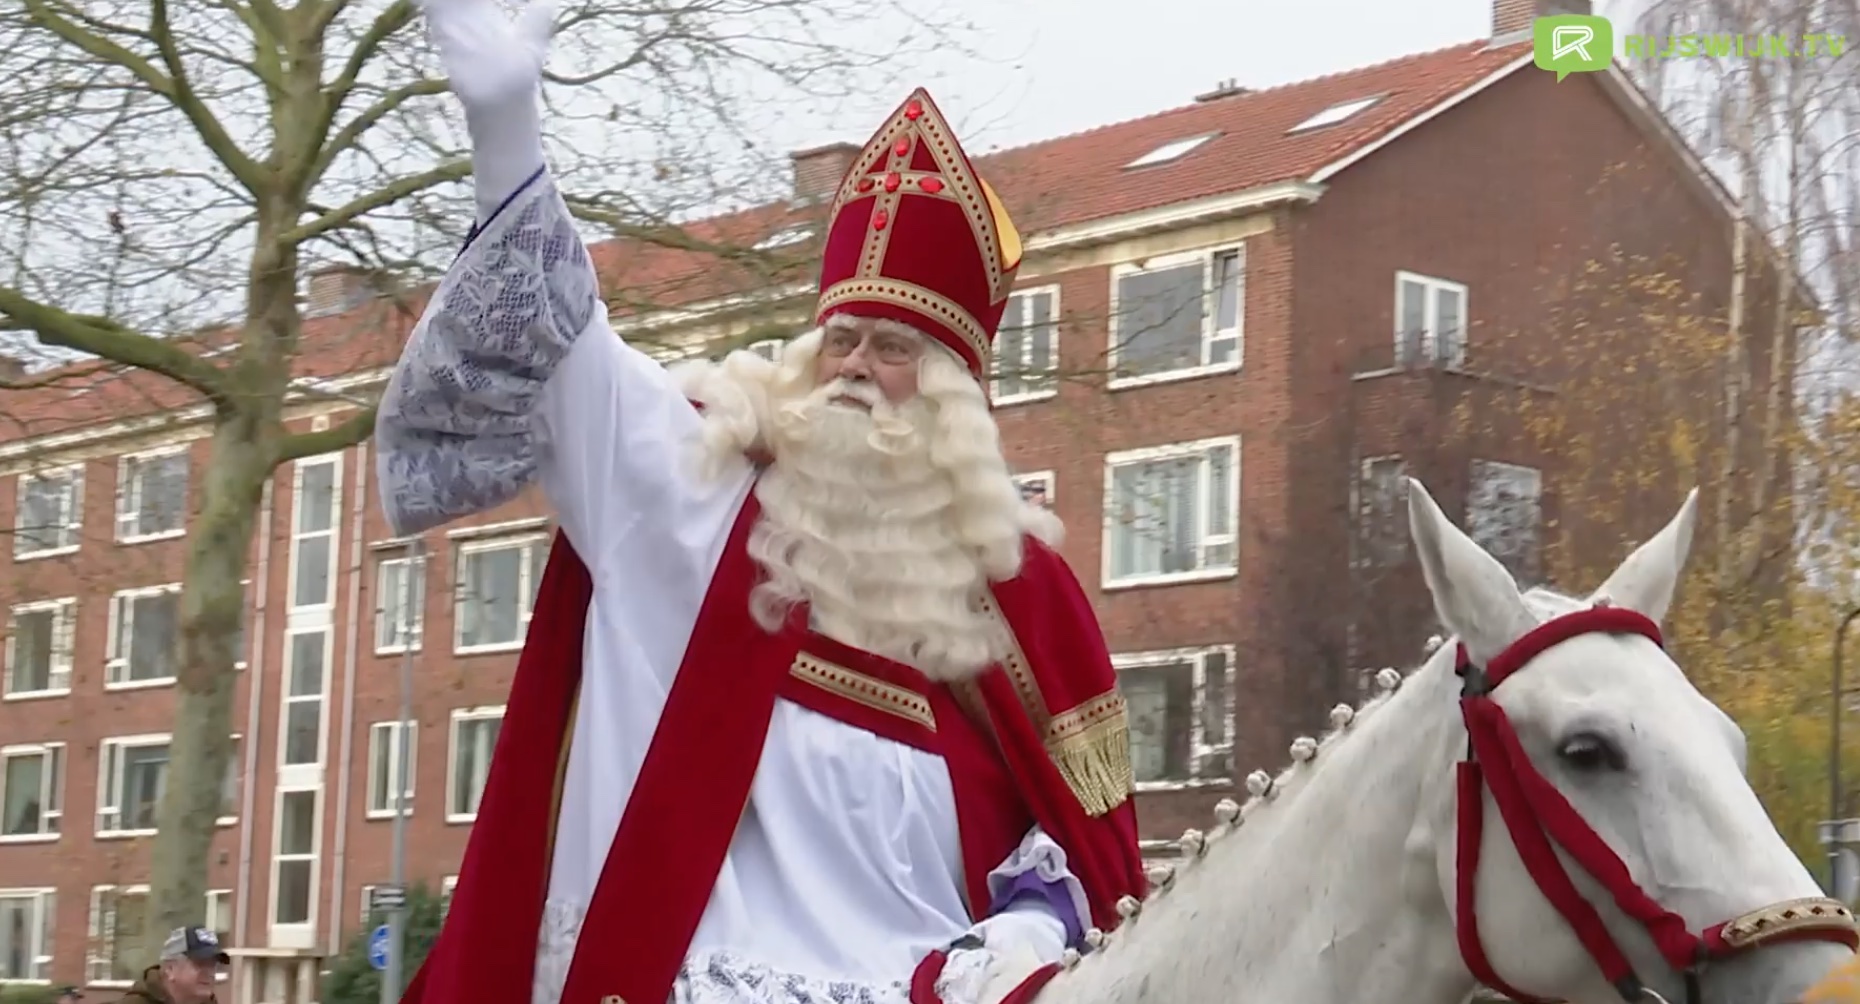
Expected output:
(1572, 43)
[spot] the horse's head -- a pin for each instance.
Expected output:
(1586, 732)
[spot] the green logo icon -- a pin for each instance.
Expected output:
(1572, 43)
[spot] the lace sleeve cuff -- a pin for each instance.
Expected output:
(1037, 870)
(457, 425)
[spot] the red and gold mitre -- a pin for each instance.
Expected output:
(916, 236)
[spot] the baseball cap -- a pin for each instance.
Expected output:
(195, 943)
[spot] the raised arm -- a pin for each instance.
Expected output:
(513, 374)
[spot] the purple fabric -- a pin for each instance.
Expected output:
(1028, 885)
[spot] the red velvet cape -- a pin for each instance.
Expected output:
(1054, 710)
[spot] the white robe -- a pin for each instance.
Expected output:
(847, 865)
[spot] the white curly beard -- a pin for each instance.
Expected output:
(860, 523)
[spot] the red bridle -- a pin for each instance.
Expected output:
(1536, 813)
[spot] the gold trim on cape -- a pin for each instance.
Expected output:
(860, 688)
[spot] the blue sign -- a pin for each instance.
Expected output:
(378, 944)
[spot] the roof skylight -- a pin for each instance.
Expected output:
(1334, 114)
(1173, 150)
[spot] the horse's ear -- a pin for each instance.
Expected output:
(1646, 581)
(1476, 598)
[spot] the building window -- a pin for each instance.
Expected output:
(294, 872)
(1036, 487)
(38, 648)
(496, 588)
(240, 655)
(151, 495)
(767, 348)
(1025, 363)
(26, 935)
(142, 636)
(1504, 515)
(474, 737)
(315, 497)
(232, 788)
(1430, 322)
(385, 750)
(32, 780)
(1177, 316)
(1173, 512)
(131, 775)
(398, 617)
(118, 920)
(51, 512)
(1181, 715)
(306, 663)
(1381, 512)
(118, 923)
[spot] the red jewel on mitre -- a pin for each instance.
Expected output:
(918, 237)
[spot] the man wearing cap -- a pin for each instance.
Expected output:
(810, 708)
(188, 972)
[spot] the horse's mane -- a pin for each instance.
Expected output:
(1266, 791)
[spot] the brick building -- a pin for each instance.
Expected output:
(1238, 320)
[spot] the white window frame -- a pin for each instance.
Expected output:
(298, 534)
(412, 628)
(51, 794)
(116, 662)
(64, 641)
(102, 934)
(1047, 386)
(94, 959)
(242, 657)
(768, 348)
(303, 775)
(110, 799)
(235, 762)
(44, 916)
(296, 934)
(380, 803)
(128, 496)
(1199, 750)
(71, 530)
(1047, 481)
(1172, 451)
(527, 577)
(1209, 335)
(1430, 337)
(1336, 114)
(224, 896)
(459, 716)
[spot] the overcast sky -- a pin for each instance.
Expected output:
(1051, 67)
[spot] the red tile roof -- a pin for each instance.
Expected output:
(1046, 185)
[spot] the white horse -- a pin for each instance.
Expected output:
(1337, 882)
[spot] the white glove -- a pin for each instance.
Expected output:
(494, 65)
(1015, 943)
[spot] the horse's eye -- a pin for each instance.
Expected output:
(1587, 751)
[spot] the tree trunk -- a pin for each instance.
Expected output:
(212, 607)
(246, 441)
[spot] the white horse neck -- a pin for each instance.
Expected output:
(1314, 896)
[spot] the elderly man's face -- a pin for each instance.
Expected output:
(856, 350)
(189, 981)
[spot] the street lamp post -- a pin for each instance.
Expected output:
(1834, 749)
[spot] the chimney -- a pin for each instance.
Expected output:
(1511, 19)
(817, 172)
(336, 288)
(1229, 88)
